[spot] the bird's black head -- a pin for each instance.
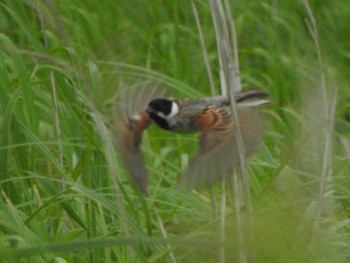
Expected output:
(160, 106)
(162, 112)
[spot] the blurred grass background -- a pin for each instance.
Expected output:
(61, 64)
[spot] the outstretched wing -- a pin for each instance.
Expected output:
(131, 120)
(218, 154)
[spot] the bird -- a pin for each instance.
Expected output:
(211, 117)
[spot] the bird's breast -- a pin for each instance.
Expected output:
(183, 123)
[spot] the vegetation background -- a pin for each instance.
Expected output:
(64, 197)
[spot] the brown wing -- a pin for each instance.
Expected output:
(131, 120)
(218, 154)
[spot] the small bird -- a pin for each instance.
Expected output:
(211, 117)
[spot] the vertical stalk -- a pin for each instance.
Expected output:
(53, 89)
(329, 111)
(57, 121)
(204, 49)
(231, 83)
(222, 223)
(211, 84)
(163, 232)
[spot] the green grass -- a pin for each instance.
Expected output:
(66, 198)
